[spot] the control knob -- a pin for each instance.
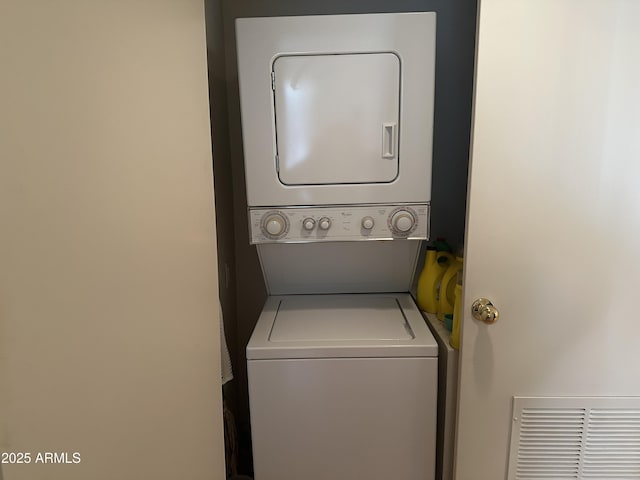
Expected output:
(274, 225)
(324, 223)
(368, 223)
(308, 224)
(402, 221)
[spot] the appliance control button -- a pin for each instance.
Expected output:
(368, 223)
(402, 221)
(324, 223)
(274, 225)
(308, 224)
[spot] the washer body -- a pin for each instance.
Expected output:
(342, 387)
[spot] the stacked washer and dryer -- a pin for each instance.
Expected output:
(337, 120)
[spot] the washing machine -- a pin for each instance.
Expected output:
(342, 387)
(337, 121)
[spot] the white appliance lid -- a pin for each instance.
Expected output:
(374, 325)
(345, 318)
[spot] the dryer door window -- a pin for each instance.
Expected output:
(337, 118)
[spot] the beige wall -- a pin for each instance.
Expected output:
(108, 279)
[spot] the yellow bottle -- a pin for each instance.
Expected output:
(454, 340)
(435, 265)
(447, 296)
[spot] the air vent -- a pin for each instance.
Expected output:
(612, 444)
(564, 438)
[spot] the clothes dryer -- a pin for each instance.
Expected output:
(337, 109)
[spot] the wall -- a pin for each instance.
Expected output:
(454, 76)
(108, 286)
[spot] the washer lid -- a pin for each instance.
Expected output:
(339, 326)
(345, 318)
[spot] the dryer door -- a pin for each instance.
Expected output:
(337, 118)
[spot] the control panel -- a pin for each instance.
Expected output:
(338, 224)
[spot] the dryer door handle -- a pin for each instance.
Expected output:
(388, 140)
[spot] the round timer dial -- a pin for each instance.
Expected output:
(274, 225)
(402, 221)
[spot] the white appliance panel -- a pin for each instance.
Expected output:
(348, 223)
(323, 179)
(346, 318)
(336, 326)
(339, 267)
(346, 418)
(447, 397)
(336, 118)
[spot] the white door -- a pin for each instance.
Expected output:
(109, 353)
(553, 229)
(318, 99)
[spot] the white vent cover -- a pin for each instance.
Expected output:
(575, 437)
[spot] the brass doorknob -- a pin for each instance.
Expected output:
(483, 310)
